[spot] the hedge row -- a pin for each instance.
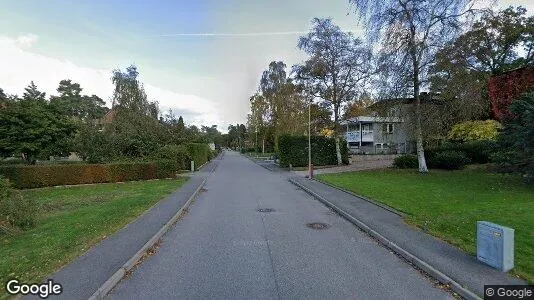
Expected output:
(294, 150)
(446, 159)
(33, 176)
(478, 152)
(182, 155)
(200, 153)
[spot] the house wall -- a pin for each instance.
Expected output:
(396, 141)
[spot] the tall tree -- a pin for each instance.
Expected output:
(3, 96)
(72, 103)
(259, 120)
(136, 128)
(32, 93)
(129, 94)
(412, 32)
(272, 85)
(180, 124)
(358, 107)
(29, 127)
(338, 66)
(497, 42)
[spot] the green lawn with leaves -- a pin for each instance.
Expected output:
(73, 219)
(451, 202)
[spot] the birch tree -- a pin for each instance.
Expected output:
(337, 67)
(411, 33)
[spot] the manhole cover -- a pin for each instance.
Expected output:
(265, 210)
(317, 226)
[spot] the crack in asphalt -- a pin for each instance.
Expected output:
(269, 250)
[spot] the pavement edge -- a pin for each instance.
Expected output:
(105, 288)
(420, 263)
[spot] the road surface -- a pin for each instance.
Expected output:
(224, 248)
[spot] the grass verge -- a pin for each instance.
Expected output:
(72, 220)
(450, 203)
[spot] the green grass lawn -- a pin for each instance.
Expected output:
(71, 220)
(451, 202)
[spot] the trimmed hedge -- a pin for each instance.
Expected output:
(199, 153)
(177, 153)
(294, 150)
(33, 176)
(182, 155)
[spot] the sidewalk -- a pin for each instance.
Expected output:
(439, 255)
(82, 277)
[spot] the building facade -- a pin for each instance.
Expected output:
(376, 135)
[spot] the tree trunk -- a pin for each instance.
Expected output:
(338, 152)
(263, 145)
(418, 127)
(336, 136)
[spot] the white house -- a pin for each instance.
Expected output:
(374, 135)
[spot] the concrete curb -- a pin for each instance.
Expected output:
(384, 206)
(254, 161)
(426, 267)
(105, 288)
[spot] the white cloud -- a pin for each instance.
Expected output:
(27, 40)
(20, 66)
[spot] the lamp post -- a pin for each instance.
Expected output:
(309, 142)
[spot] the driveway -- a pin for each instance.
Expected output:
(231, 246)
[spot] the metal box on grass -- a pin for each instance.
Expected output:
(495, 245)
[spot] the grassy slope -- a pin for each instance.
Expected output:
(72, 219)
(452, 202)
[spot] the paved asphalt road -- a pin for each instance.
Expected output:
(225, 249)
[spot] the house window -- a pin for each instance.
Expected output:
(389, 128)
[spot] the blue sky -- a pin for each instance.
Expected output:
(208, 79)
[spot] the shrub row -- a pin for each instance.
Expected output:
(478, 152)
(200, 153)
(447, 159)
(33, 176)
(294, 150)
(182, 155)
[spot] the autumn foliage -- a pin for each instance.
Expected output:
(507, 87)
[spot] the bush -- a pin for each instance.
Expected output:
(199, 153)
(478, 152)
(448, 160)
(407, 161)
(15, 211)
(294, 150)
(33, 176)
(166, 168)
(93, 145)
(177, 153)
(475, 131)
(182, 155)
(517, 140)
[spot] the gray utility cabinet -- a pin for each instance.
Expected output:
(495, 245)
